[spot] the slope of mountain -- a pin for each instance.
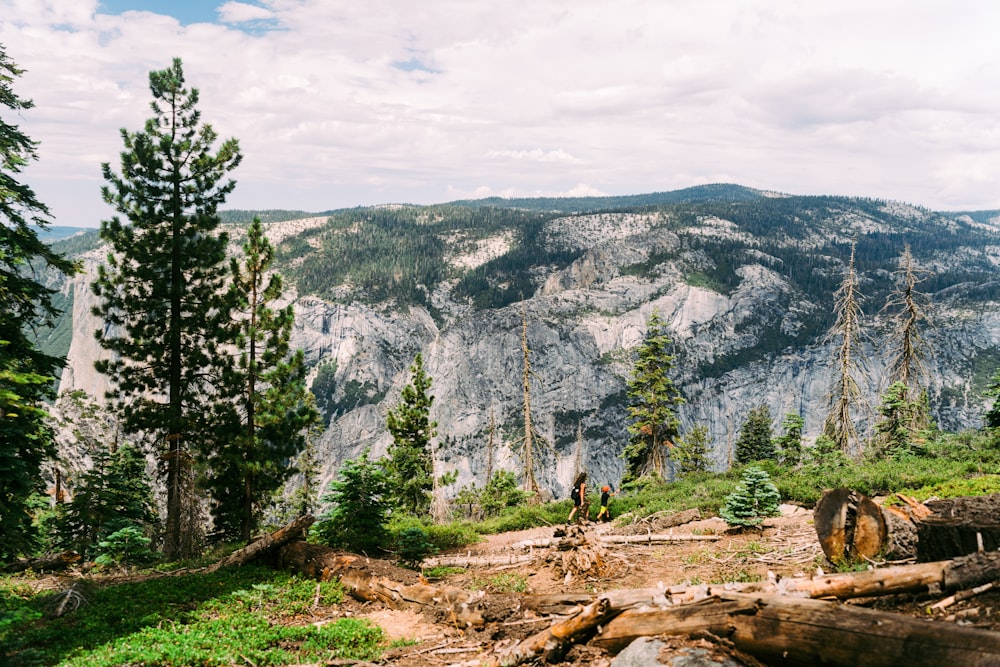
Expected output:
(744, 278)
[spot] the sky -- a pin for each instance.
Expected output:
(342, 103)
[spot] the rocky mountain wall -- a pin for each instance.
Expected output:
(584, 321)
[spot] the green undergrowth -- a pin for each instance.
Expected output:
(250, 615)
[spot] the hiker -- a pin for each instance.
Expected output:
(578, 493)
(604, 514)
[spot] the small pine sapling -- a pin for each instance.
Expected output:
(755, 498)
(413, 546)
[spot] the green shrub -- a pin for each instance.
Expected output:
(754, 499)
(412, 547)
(360, 500)
(442, 535)
(127, 546)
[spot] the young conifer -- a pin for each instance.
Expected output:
(410, 463)
(652, 397)
(273, 408)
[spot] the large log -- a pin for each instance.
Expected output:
(47, 563)
(552, 642)
(852, 528)
(614, 539)
(789, 631)
(461, 607)
(959, 526)
(944, 576)
(292, 531)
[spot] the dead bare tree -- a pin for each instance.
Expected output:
(906, 307)
(531, 438)
(490, 443)
(846, 397)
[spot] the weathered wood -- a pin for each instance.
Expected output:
(477, 561)
(552, 642)
(959, 526)
(656, 539)
(618, 600)
(789, 631)
(47, 563)
(293, 530)
(613, 539)
(460, 606)
(850, 526)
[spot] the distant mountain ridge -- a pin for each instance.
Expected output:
(744, 278)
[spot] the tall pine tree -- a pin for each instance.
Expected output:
(274, 409)
(26, 374)
(410, 463)
(652, 397)
(162, 292)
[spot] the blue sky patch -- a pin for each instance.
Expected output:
(185, 11)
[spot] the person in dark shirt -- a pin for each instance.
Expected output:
(605, 514)
(578, 494)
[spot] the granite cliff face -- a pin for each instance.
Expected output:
(746, 287)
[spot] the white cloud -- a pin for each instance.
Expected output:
(536, 155)
(582, 190)
(899, 99)
(241, 12)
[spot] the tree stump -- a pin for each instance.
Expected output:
(850, 526)
(959, 526)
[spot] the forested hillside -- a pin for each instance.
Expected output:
(745, 281)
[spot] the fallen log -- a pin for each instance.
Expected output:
(294, 530)
(477, 561)
(852, 528)
(656, 539)
(552, 642)
(962, 573)
(788, 631)
(459, 606)
(47, 563)
(615, 539)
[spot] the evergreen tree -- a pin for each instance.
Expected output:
(26, 374)
(360, 504)
(163, 301)
(789, 443)
(410, 464)
(846, 396)
(652, 397)
(754, 499)
(500, 493)
(894, 430)
(691, 451)
(114, 494)
(755, 442)
(274, 408)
